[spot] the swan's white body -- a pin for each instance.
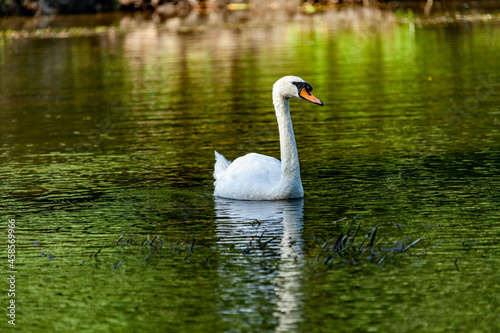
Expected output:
(260, 177)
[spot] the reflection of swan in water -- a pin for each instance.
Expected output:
(260, 177)
(261, 258)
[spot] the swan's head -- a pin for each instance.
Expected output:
(295, 87)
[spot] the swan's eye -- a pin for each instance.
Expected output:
(302, 85)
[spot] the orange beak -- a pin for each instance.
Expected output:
(304, 94)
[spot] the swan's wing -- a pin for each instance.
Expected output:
(256, 168)
(248, 175)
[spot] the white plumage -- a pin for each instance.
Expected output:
(260, 177)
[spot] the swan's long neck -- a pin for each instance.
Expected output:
(290, 168)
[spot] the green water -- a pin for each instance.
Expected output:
(111, 133)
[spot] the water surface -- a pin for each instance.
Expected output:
(107, 156)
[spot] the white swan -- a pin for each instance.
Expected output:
(259, 177)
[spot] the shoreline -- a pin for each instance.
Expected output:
(182, 8)
(197, 20)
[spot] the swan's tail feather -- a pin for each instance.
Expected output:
(221, 164)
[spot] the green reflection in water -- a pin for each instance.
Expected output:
(115, 131)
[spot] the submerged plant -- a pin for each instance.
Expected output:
(346, 248)
(156, 246)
